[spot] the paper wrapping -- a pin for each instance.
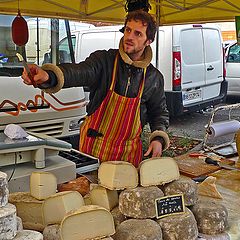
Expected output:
(223, 128)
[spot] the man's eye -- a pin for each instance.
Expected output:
(127, 30)
(138, 34)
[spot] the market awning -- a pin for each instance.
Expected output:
(170, 11)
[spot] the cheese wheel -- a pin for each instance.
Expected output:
(52, 232)
(212, 217)
(117, 175)
(29, 209)
(179, 226)
(133, 229)
(185, 186)
(158, 171)
(58, 205)
(88, 222)
(139, 202)
(118, 217)
(28, 235)
(4, 192)
(8, 222)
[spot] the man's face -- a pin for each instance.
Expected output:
(135, 39)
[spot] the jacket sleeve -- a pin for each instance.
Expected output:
(85, 73)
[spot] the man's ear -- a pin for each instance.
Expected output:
(149, 41)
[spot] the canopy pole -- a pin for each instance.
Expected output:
(157, 33)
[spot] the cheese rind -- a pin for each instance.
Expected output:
(28, 235)
(19, 224)
(42, 185)
(158, 171)
(29, 209)
(4, 192)
(89, 222)
(139, 202)
(52, 232)
(185, 186)
(8, 222)
(117, 175)
(104, 197)
(58, 205)
(222, 236)
(118, 217)
(133, 229)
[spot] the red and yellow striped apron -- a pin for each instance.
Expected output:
(112, 132)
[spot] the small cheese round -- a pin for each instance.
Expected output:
(28, 235)
(118, 217)
(222, 236)
(4, 192)
(52, 232)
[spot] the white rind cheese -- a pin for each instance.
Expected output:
(158, 171)
(29, 209)
(19, 224)
(185, 186)
(42, 185)
(89, 222)
(139, 202)
(28, 235)
(4, 192)
(212, 217)
(117, 175)
(8, 222)
(180, 227)
(52, 232)
(58, 205)
(141, 229)
(104, 197)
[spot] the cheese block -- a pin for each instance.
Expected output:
(8, 222)
(118, 217)
(179, 226)
(117, 175)
(208, 188)
(158, 171)
(52, 232)
(80, 184)
(29, 209)
(222, 236)
(42, 185)
(185, 186)
(133, 229)
(28, 235)
(3, 189)
(212, 217)
(104, 197)
(139, 202)
(19, 224)
(89, 222)
(59, 204)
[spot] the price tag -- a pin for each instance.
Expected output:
(169, 205)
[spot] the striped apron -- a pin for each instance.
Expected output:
(112, 132)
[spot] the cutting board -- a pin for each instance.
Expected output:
(195, 167)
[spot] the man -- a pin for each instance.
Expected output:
(126, 92)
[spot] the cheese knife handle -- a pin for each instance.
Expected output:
(209, 160)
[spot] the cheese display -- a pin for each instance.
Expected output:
(28, 235)
(59, 204)
(8, 222)
(211, 217)
(52, 232)
(118, 217)
(139, 202)
(185, 186)
(42, 185)
(3, 189)
(179, 226)
(134, 229)
(222, 236)
(89, 222)
(158, 171)
(29, 209)
(104, 197)
(208, 188)
(117, 175)
(80, 184)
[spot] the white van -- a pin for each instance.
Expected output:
(190, 58)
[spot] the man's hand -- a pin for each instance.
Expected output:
(39, 76)
(155, 148)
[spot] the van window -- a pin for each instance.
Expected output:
(211, 43)
(192, 46)
(234, 54)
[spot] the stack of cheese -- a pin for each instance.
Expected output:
(10, 224)
(61, 215)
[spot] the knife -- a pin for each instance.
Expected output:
(209, 160)
(21, 59)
